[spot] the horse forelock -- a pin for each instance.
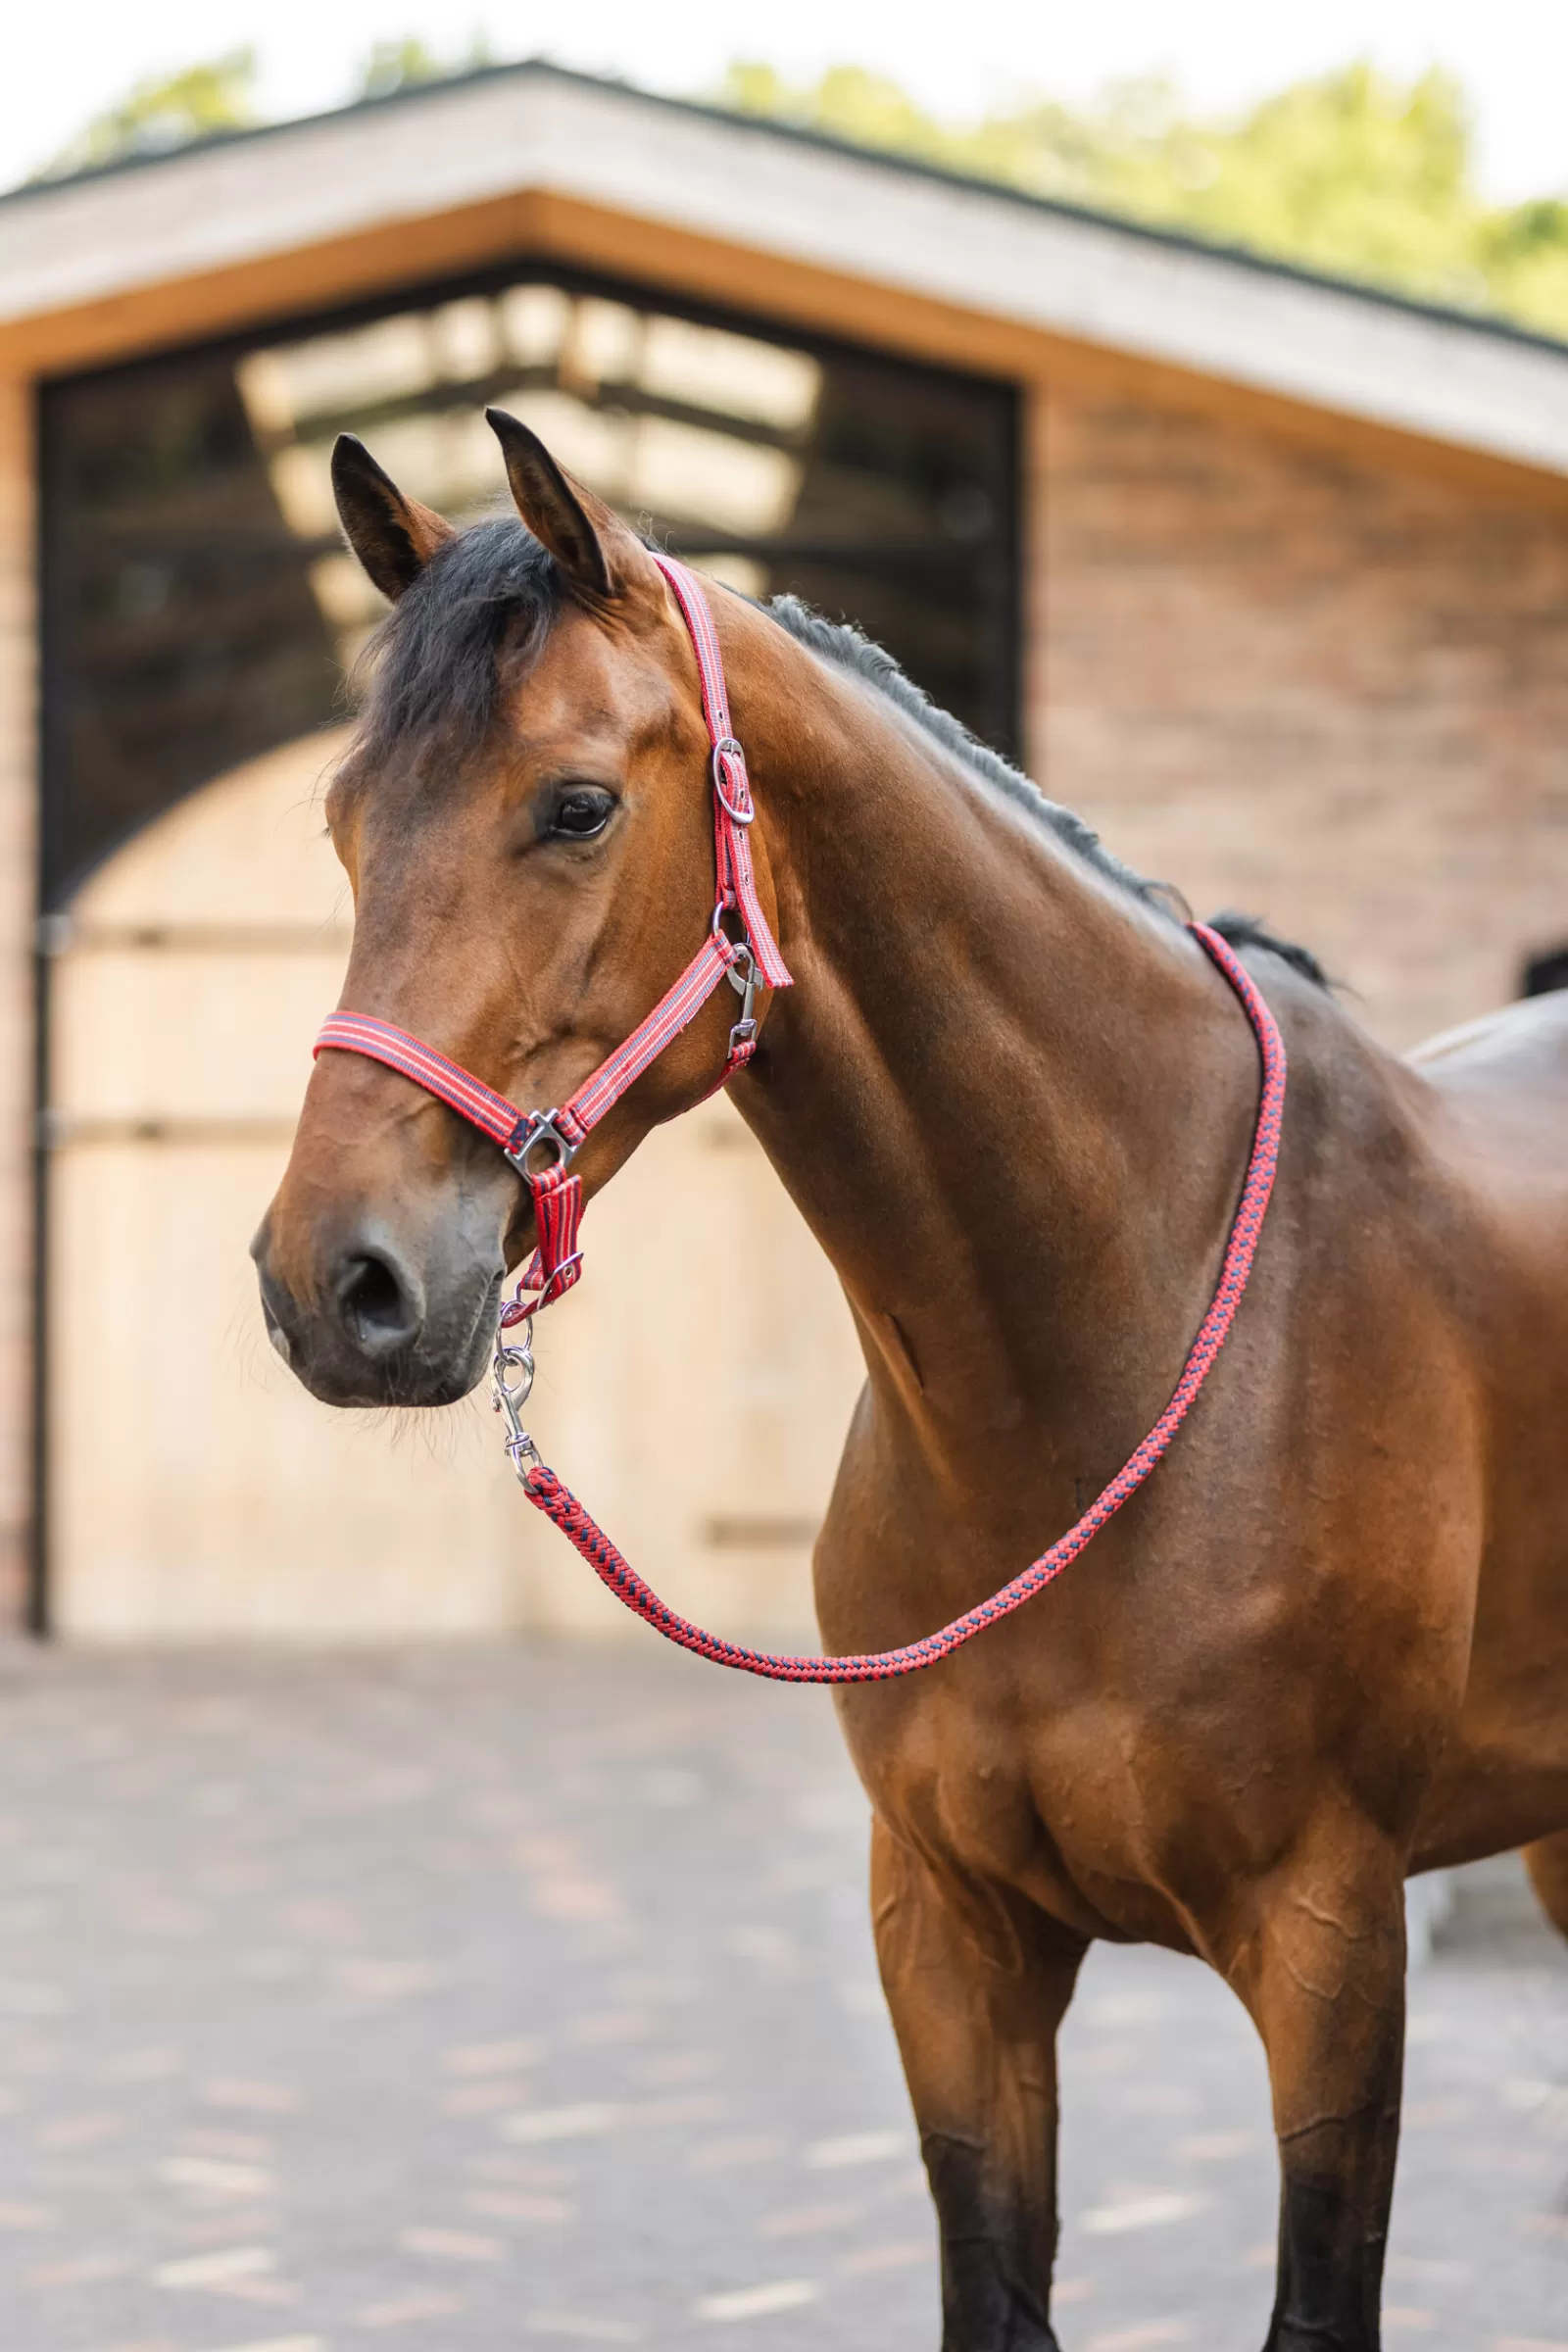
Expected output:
(432, 668)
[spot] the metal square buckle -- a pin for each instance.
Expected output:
(527, 1136)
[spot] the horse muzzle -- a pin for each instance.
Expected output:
(363, 1317)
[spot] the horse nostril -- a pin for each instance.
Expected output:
(376, 1305)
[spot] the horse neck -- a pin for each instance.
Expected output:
(1013, 1100)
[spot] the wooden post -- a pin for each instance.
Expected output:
(19, 804)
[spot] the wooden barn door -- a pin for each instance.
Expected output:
(194, 1491)
(194, 1488)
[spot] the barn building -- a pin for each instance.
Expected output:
(1265, 575)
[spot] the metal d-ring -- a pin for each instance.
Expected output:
(727, 742)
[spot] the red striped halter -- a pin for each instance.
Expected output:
(560, 1134)
(745, 962)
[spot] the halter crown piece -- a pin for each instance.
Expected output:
(748, 963)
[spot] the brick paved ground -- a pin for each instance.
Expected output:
(469, 2001)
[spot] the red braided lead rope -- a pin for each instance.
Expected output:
(545, 1490)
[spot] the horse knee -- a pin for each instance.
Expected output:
(1320, 1964)
(977, 1989)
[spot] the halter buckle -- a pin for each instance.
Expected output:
(539, 1127)
(743, 813)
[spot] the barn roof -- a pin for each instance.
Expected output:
(1111, 285)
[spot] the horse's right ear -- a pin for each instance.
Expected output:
(562, 514)
(393, 536)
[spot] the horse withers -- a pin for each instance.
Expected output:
(1325, 1645)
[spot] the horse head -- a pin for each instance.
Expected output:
(525, 820)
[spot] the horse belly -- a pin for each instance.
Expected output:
(1504, 1779)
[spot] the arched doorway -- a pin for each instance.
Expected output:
(199, 609)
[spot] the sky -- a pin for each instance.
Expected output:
(67, 61)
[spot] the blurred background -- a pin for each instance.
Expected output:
(1186, 407)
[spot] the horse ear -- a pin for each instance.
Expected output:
(562, 514)
(393, 536)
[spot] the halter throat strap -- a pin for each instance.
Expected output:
(541, 1145)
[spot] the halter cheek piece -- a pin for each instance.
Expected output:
(541, 1145)
(748, 963)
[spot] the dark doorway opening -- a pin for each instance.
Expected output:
(1543, 972)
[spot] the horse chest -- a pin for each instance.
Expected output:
(1046, 1809)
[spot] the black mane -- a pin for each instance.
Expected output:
(432, 667)
(1244, 931)
(837, 641)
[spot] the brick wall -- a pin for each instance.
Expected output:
(1328, 691)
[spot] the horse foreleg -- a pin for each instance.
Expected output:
(976, 1996)
(1319, 1961)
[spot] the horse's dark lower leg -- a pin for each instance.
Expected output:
(1322, 1970)
(1548, 1864)
(976, 1996)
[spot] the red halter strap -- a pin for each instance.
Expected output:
(751, 961)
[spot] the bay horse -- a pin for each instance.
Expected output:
(1324, 1646)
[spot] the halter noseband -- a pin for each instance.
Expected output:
(747, 963)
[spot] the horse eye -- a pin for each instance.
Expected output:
(579, 815)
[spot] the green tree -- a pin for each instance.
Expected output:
(158, 116)
(1351, 173)
(405, 65)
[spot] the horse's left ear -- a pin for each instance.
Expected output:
(562, 514)
(393, 536)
